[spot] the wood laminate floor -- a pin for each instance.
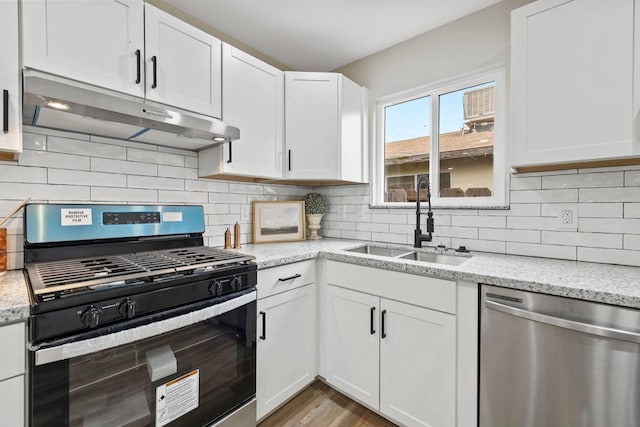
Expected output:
(320, 405)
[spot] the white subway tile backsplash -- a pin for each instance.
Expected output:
(632, 178)
(246, 188)
(372, 226)
(172, 159)
(154, 182)
(610, 256)
(480, 245)
(388, 218)
(32, 141)
(544, 251)
(625, 194)
(53, 160)
(148, 154)
(43, 192)
(171, 196)
(206, 185)
(85, 148)
(98, 179)
(527, 236)
(11, 173)
(227, 198)
(584, 180)
(532, 223)
(190, 162)
(186, 153)
(545, 196)
(356, 235)
(632, 210)
(526, 183)
(123, 167)
(390, 238)
(177, 172)
(524, 209)
(600, 210)
(479, 221)
(460, 232)
(632, 242)
(108, 194)
(593, 240)
(609, 225)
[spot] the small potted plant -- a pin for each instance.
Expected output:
(315, 206)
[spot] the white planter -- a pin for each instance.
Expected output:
(313, 223)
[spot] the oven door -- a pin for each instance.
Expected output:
(191, 369)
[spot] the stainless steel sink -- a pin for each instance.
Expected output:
(409, 254)
(380, 250)
(436, 258)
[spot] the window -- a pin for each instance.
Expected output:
(460, 125)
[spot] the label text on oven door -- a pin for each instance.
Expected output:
(177, 397)
(75, 216)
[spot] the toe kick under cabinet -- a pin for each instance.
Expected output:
(286, 331)
(401, 344)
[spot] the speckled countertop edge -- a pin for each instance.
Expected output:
(610, 284)
(14, 301)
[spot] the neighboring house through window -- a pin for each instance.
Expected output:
(461, 125)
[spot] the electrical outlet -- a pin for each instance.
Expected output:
(359, 212)
(341, 212)
(568, 217)
(244, 213)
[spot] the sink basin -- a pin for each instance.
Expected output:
(437, 258)
(379, 250)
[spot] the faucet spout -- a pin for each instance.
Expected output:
(418, 236)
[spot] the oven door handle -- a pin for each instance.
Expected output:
(127, 336)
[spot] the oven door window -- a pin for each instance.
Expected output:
(188, 377)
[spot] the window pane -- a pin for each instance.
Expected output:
(466, 142)
(406, 150)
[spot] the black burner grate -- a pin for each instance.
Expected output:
(68, 275)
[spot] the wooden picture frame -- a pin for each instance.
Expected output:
(278, 221)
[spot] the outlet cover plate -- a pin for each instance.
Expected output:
(568, 217)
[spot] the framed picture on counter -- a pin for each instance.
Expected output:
(278, 221)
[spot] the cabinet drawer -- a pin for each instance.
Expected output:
(12, 401)
(12, 338)
(274, 280)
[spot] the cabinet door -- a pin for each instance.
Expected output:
(253, 100)
(312, 133)
(286, 346)
(10, 112)
(183, 64)
(352, 344)
(417, 365)
(91, 41)
(12, 406)
(572, 80)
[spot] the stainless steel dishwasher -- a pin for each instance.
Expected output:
(557, 362)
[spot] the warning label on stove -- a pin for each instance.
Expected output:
(75, 216)
(177, 397)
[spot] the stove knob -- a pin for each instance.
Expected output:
(236, 283)
(215, 288)
(127, 308)
(91, 317)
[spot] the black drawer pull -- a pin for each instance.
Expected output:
(155, 72)
(264, 325)
(137, 66)
(5, 110)
(371, 330)
(384, 316)
(289, 159)
(230, 152)
(286, 279)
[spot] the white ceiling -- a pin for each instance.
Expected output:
(322, 35)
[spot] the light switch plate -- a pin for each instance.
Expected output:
(245, 210)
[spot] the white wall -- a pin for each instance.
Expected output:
(69, 167)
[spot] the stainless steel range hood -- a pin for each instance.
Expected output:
(58, 103)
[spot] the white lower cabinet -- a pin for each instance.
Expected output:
(12, 368)
(389, 340)
(12, 408)
(287, 339)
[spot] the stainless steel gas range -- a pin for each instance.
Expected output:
(134, 322)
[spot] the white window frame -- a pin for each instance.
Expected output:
(500, 168)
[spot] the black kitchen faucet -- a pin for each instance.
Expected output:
(418, 236)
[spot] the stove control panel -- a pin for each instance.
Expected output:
(119, 218)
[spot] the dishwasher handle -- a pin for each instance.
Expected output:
(601, 331)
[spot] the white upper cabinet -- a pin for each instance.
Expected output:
(574, 95)
(253, 101)
(183, 64)
(10, 111)
(324, 127)
(100, 42)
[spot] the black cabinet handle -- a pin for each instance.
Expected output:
(289, 159)
(155, 72)
(384, 316)
(373, 310)
(5, 110)
(230, 152)
(264, 325)
(138, 66)
(286, 279)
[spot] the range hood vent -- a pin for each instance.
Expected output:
(57, 103)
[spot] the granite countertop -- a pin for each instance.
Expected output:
(611, 284)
